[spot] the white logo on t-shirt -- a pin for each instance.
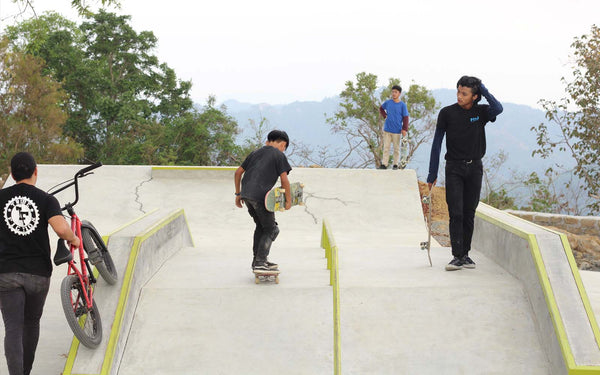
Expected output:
(21, 215)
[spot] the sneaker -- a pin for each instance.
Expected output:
(395, 167)
(260, 266)
(467, 262)
(383, 166)
(272, 266)
(455, 264)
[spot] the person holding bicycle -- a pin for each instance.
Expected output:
(25, 264)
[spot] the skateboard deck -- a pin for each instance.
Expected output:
(404, 152)
(427, 244)
(272, 275)
(275, 198)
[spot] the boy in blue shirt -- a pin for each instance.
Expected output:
(395, 113)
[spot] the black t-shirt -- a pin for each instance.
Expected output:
(24, 242)
(261, 170)
(465, 131)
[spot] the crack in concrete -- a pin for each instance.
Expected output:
(308, 195)
(137, 194)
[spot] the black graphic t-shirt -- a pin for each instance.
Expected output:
(24, 243)
(261, 170)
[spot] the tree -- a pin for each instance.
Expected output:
(360, 121)
(30, 111)
(125, 107)
(577, 117)
(83, 7)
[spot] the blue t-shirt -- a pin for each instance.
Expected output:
(395, 113)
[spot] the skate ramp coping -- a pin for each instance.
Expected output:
(138, 249)
(543, 261)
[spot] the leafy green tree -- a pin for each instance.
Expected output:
(360, 121)
(124, 106)
(30, 111)
(576, 117)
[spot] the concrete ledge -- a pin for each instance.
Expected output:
(542, 260)
(138, 249)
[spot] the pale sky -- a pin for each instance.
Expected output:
(279, 51)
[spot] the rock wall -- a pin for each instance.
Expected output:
(582, 225)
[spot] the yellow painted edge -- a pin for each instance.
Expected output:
(337, 347)
(584, 370)
(583, 294)
(544, 282)
(192, 168)
(106, 237)
(126, 289)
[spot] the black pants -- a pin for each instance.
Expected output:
(266, 229)
(22, 298)
(463, 188)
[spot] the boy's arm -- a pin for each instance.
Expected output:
(237, 179)
(382, 112)
(285, 183)
(495, 106)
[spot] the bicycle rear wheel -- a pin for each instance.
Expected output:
(84, 323)
(93, 242)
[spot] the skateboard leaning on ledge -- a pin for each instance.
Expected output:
(427, 244)
(275, 198)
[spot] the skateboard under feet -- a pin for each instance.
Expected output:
(272, 275)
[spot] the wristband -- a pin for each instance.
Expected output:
(237, 194)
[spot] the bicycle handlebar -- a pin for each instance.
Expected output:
(81, 173)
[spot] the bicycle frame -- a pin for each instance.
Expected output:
(84, 272)
(85, 275)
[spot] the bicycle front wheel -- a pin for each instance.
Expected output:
(85, 323)
(92, 242)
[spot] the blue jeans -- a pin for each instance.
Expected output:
(22, 298)
(463, 188)
(266, 229)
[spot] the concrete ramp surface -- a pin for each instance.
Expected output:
(201, 313)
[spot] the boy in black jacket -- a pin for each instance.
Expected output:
(260, 172)
(464, 125)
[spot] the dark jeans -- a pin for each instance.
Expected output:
(22, 298)
(266, 229)
(463, 188)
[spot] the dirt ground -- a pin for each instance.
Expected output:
(586, 249)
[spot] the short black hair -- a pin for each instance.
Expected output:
(473, 83)
(279, 135)
(397, 87)
(22, 166)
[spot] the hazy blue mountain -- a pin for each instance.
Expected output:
(306, 122)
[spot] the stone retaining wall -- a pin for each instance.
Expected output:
(583, 225)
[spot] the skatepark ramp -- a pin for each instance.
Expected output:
(138, 249)
(543, 261)
(194, 308)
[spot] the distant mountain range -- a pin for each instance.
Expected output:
(306, 122)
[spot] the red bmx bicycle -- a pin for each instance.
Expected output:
(77, 288)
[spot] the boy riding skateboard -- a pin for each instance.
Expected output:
(260, 171)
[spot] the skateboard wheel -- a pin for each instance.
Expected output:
(256, 280)
(276, 279)
(282, 190)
